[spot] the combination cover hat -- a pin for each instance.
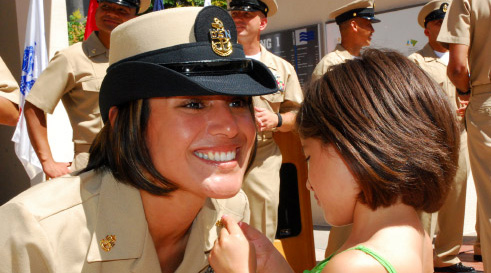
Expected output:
(268, 7)
(180, 52)
(433, 10)
(355, 9)
(140, 5)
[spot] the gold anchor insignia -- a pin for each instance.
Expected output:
(220, 39)
(445, 6)
(108, 242)
(219, 223)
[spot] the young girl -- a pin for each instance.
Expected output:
(381, 145)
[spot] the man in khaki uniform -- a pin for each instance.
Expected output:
(273, 112)
(433, 59)
(74, 76)
(9, 96)
(466, 31)
(355, 26)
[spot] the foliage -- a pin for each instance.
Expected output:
(76, 27)
(195, 3)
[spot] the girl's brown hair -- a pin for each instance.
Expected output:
(391, 123)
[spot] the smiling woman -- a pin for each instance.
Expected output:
(169, 162)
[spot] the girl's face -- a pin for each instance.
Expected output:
(201, 143)
(331, 181)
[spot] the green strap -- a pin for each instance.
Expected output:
(390, 269)
(382, 261)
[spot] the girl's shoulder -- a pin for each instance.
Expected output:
(359, 259)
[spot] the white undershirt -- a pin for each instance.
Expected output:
(256, 57)
(443, 56)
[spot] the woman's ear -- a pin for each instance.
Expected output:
(113, 113)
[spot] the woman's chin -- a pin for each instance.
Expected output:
(223, 187)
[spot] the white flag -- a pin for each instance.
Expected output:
(207, 3)
(35, 59)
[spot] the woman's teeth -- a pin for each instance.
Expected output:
(217, 156)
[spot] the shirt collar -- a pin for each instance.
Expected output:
(120, 213)
(94, 46)
(343, 53)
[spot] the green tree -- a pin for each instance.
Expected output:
(194, 3)
(76, 27)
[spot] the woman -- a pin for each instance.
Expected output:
(381, 145)
(167, 164)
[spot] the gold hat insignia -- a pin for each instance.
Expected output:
(108, 242)
(445, 6)
(220, 39)
(354, 14)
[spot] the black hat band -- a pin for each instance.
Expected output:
(251, 5)
(126, 3)
(434, 15)
(218, 67)
(367, 13)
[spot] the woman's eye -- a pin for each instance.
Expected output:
(238, 103)
(194, 105)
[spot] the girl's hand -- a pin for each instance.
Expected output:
(232, 251)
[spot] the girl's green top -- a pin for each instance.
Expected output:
(390, 269)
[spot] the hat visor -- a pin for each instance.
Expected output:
(373, 20)
(135, 80)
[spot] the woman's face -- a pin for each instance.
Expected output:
(331, 181)
(201, 143)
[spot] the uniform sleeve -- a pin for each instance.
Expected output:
(414, 58)
(9, 88)
(319, 69)
(24, 247)
(293, 92)
(323, 65)
(56, 80)
(456, 25)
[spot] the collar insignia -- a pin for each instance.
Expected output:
(445, 7)
(220, 39)
(108, 242)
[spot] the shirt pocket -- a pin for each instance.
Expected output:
(89, 100)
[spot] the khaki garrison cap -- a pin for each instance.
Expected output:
(433, 10)
(180, 52)
(267, 7)
(359, 8)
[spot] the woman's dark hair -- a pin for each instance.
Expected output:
(392, 125)
(122, 149)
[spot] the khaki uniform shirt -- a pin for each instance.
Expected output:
(338, 56)
(437, 70)
(9, 88)
(57, 227)
(467, 23)
(290, 94)
(74, 75)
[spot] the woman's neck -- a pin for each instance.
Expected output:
(169, 220)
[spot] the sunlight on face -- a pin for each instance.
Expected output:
(201, 143)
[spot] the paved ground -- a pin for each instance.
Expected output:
(321, 232)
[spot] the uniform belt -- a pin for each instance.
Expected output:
(481, 89)
(264, 135)
(82, 147)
